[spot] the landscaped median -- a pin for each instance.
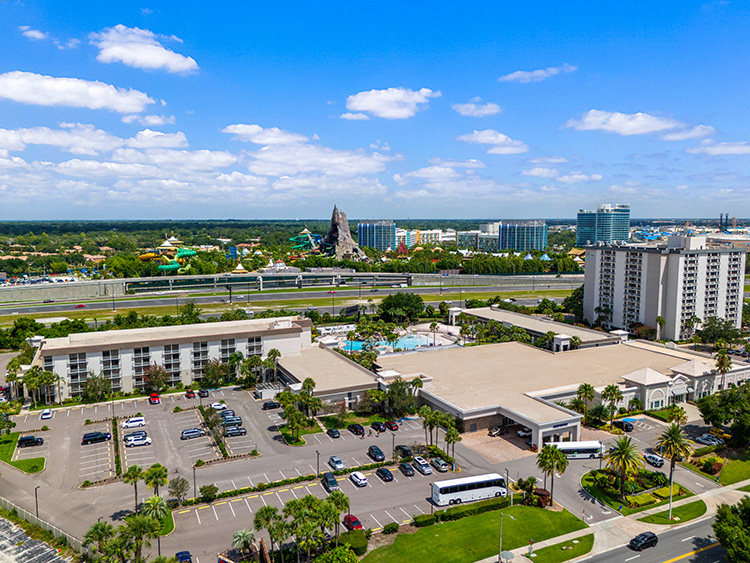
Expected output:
(649, 491)
(8, 446)
(682, 513)
(731, 466)
(476, 537)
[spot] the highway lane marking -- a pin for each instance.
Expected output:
(631, 558)
(692, 553)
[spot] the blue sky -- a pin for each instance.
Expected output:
(389, 109)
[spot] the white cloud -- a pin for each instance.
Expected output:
(380, 146)
(502, 144)
(540, 172)
(470, 163)
(622, 123)
(432, 173)
(475, 109)
(576, 177)
(392, 103)
(281, 160)
(26, 31)
(354, 116)
(526, 76)
(139, 48)
(693, 133)
(149, 120)
(178, 161)
(711, 148)
(549, 160)
(75, 138)
(148, 139)
(260, 136)
(38, 89)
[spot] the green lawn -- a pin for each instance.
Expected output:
(293, 441)
(680, 514)
(564, 551)
(696, 469)
(745, 489)
(587, 482)
(167, 524)
(334, 421)
(735, 470)
(660, 414)
(8, 446)
(476, 537)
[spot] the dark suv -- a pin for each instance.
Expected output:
(270, 405)
(235, 431)
(356, 429)
(403, 451)
(95, 437)
(26, 441)
(378, 426)
(623, 425)
(644, 540)
(376, 453)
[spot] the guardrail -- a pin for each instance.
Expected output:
(75, 543)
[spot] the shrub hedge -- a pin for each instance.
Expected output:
(705, 451)
(390, 528)
(458, 512)
(355, 539)
(361, 468)
(664, 491)
(434, 451)
(116, 440)
(424, 520)
(644, 499)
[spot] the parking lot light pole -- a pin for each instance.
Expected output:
(507, 488)
(317, 465)
(393, 435)
(36, 499)
(195, 490)
(500, 547)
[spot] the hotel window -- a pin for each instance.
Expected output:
(172, 362)
(227, 349)
(141, 362)
(111, 368)
(77, 372)
(200, 358)
(254, 346)
(49, 365)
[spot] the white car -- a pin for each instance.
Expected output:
(524, 432)
(218, 406)
(336, 463)
(138, 441)
(359, 479)
(46, 414)
(134, 422)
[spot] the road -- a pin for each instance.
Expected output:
(692, 543)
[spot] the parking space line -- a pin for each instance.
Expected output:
(299, 487)
(376, 521)
(233, 485)
(295, 494)
(356, 462)
(266, 494)
(407, 514)
(251, 481)
(282, 475)
(298, 473)
(198, 517)
(267, 479)
(312, 468)
(420, 510)
(214, 509)
(319, 442)
(264, 501)
(248, 505)
(391, 517)
(232, 509)
(278, 497)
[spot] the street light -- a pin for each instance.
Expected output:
(195, 490)
(500, 547)
(393, 435)
(36, 499)
(507, 487)
(333, 302)
(317, 465)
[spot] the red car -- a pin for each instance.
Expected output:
(390, 425)
(80, 306)
(351, 522)
(154, 399)
(190, 394)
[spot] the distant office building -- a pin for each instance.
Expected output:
(609, 223)
(380, 235)
(417, 237)
(522, 235)
(681, 281)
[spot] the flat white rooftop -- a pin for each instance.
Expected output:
(330, 370)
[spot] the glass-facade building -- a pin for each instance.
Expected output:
(380, 235)
(609, 223)
(522, 235)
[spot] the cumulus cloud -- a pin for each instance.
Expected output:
(549, 160)
(540, 172)
(693, 133)
(576, 177)
(476, 109)
(149, 120)
(75, 138)
(470, 163)
(433, 173)
(139, 48)
(502, 144)
(176, 160)
(38, 89)
(622, 123)
(263, 136)
(35, 34)
(526, 76)
(391, 103)
(281, 160)
(148, 139)
(711, 148)
(354, 116)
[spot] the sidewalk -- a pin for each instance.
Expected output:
(617, 532)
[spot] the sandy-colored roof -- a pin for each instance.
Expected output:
(330, 370)
(539, 324)
(646, 376)
(694, 368)
(502, 374)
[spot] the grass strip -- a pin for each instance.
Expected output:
(680, 514)
(167, 524)
(564, 551)
(735, 470)
(8, 446)
(587, 482)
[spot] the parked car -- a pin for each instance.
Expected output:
(406, 469)
(134, 422)
(654, 460)
(154, 399)
(644, 540)
(231, 421)
(336, 463)
(218, 406)
(80, 306)
(189, 433)
(351, 522)
(235, 431)
(524, 432)
(498, 430)
(374, 289)
(190, 394)
(391, 425)
(715, 440)
(135, 434)
(356, 429)
(95, 437)
(422, 466)
(378, 426)
(333, 433)
(403, 451)
(375, 453)
(270, 405)
(439, 464)
(46, 414)
(48, 301)
(384, 473)
(226, 413)
(183, 557)
(719, 433)
(623, 425)
(358, 478)
(705, 441)
(203, 393)
(329, 482)
(26, 441)
(138, 441)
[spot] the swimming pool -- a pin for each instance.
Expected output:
(404, 343)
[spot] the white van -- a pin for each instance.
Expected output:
(134, 422)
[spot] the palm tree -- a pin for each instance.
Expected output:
(674, 445)
(598, 412)
(424, 413)
(244, 540)
(660, 323)
(156, 508)
(433, 328)
(99, 534)
(723, 365)
(613, 395)
(624, 458)
(273, 357)
(131, 477)
(586, 393)
(551, 460)
(265, 519)
(451, 437)
(341, 502)
(155, 476)
(676, 414)
(577, 405)
(141, 529)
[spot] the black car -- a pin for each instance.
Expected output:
(378, 426)
(644, 540)
(26, 441)
(384, 473)
(203, 393)
(356, 429)
(403, 451)
(95, 437)
(136, 434)
(334, 433)
(183, 557)
(623, 425)
(224, 414)
(376, 453)
(406, 469)
(270, 405)
(235, 431)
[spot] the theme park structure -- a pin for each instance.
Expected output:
(337, 243)
(170, 257)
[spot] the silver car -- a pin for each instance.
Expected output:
(336, 463)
